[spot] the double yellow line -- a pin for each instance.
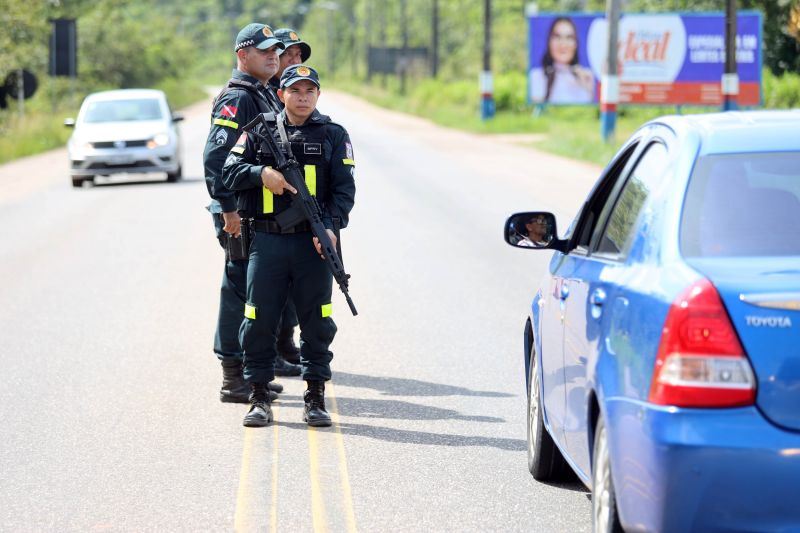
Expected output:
(245, 511)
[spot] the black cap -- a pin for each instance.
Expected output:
(295, 73)
(289, 38)
(258, 35)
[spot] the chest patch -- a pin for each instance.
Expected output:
(312, 148)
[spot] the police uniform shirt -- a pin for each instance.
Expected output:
(242, 171)
(233, 108)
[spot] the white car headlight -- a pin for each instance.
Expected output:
(160, 139)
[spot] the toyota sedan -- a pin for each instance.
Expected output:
(662, 350)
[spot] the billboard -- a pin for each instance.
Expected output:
(665, 58)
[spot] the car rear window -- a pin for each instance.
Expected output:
(740, 205)
(123, 110)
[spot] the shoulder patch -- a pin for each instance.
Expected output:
(221, 137)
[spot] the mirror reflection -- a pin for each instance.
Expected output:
(531, 230)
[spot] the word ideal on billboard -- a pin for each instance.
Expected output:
(663, 59)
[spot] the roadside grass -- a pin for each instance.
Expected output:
(41, 128)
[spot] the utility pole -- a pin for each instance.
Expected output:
(609, 85)
(486, 83)
(435, 40)
(403, 63)
(368, 31)
(730, 79)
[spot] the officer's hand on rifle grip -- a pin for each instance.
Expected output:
(275, 182)
(318, 246)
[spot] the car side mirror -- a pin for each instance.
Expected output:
(533, 229)
(69, 122)
(177, 117)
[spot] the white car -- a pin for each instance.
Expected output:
(124, 131)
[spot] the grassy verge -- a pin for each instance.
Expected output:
(42, 127)
(569, 131)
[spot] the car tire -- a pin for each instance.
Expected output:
(78, 182)
(605, 517)
(172, 177)
(545, 461)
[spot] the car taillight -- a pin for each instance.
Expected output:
(700, 361)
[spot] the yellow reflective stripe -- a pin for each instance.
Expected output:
(223, 122)
(267, 200)
(348, 162)
(249, 311)
(311, 179)
(238, 149)
(327, 309)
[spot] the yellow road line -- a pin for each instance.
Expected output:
(347, 494)
(241, 521)
(273, 520)
(317, 503)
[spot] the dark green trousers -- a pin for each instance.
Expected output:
(280, 266)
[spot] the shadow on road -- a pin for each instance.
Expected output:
(403, 410)
(417, 437)
(409, 387)
(184, 181)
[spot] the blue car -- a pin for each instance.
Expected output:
(662, 351)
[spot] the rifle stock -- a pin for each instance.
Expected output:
(304, 205)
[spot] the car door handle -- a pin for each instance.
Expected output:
(598, 297)
(564, 292)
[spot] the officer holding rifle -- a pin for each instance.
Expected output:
(284, 256)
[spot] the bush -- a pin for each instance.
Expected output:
(781, 92)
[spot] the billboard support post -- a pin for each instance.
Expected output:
(609, 86)
(730, 79)
(486, 82)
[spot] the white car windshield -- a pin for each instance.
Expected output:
(123, 110)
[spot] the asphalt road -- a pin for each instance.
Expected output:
(109, 413)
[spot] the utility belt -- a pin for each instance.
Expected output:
(271, 226)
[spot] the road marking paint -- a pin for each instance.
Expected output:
(273, 520)
(242, 518)
(317, 504)
(347, 494)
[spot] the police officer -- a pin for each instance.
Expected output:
(243, 98)
(295, 52)
(285, 260)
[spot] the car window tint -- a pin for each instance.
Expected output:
(123, 110)
(588, 216)
(743, 205)
(617, 235)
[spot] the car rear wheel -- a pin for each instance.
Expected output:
(175, 176)
(545, 461)
(605, 518)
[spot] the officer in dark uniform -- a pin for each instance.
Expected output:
(295, 52)
(243, 98)
(285, 260)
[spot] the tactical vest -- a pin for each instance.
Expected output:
(307, 144)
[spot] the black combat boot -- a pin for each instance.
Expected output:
(314, 411)
(235, 389)
(285, 368)
(286, 346)
(260, 413)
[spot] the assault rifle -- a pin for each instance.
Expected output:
(304, 206)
